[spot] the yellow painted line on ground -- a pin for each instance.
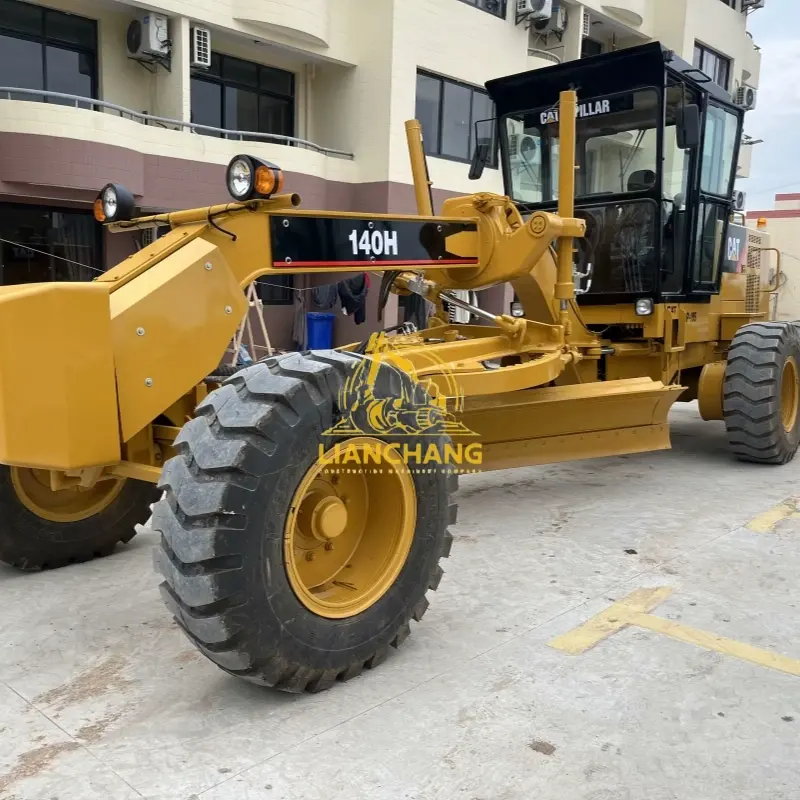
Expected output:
(633, 610)
(613, 619)
(766, 522)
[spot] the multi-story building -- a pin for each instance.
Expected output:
(79, 107)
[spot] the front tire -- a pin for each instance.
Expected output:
(761, 393)
(225, 520)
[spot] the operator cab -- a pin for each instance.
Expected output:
(657, 149)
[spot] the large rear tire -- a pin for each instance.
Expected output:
(761, 393)
(43, 529)
(276, 572)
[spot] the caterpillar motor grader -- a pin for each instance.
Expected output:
(302, 505)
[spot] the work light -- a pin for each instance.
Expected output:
(250, 177)
(644, 307)
(114, 204)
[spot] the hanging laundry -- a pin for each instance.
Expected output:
(353, 296)
(325, 297)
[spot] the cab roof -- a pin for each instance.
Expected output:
(609, 73)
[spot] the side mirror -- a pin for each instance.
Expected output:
(687, 126)
(480, 158)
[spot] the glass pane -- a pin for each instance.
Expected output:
(708, 249)
(429, 98)
(698, 57)
(238, 71)
(456, 120)
(277, 80)
(68, 72)
(21, 17)
(275, 116)
(525, 166)
(719, 147)
(206, 102)
(617, 144)
(21, 227)
(619, 247)
(21, 65)
(241, 110)
(73, 238)
(216, 65)
(723, 72)
(70, 28)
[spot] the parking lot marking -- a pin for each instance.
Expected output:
(766, 522)
(633, 610)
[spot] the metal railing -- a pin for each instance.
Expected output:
(91, 104)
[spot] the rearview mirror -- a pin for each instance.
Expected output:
(480, 158)
(687, 126)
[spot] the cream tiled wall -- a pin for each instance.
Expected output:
(356, 64)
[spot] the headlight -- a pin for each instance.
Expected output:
(250, 177)
(644, 307)
(114, 204)
(517, 310)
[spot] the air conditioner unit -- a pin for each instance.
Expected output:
(587, 25)
(535, 9)
(752, 5)
(522, 146)
(148, 36)
(557, 23)
(201, 48)
(746, 97)
(739, 201)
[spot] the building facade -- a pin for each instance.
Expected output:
(77, 111)
(782, 223)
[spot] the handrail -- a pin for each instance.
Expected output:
(144, 118)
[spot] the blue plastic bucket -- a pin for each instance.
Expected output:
(320, 330)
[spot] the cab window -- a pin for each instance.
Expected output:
(719, 150)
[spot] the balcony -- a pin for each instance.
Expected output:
(630, 12)
(751, 64)
(76, 144)
(307, 20)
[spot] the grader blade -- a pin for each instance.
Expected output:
(567, 423)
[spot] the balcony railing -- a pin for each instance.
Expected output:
(141, 117)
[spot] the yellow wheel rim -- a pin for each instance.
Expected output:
(32, 487)
(790, 394)
(349, 529)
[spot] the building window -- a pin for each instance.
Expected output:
(495, 7)
(591, 47)
(731, 3)
(715, 65)
(276, 290)
(45, 49)
(448, 111)
(48, 244)
(243, 96)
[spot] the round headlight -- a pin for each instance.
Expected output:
(644, 307)
(110, 204)
(114, 204)
(240, 178)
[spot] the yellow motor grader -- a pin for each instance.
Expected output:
(302, 505)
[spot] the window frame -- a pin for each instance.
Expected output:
(222, 82)
(705, 50)
(500, 13)
(99, 238)
(45, 41)
(494, 162)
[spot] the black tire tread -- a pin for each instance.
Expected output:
(197, 554)
(752, 392)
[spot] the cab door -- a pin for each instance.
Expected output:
(714, 202)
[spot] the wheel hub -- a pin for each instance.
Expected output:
(349, 530)
(32, 487)
(790, 394)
